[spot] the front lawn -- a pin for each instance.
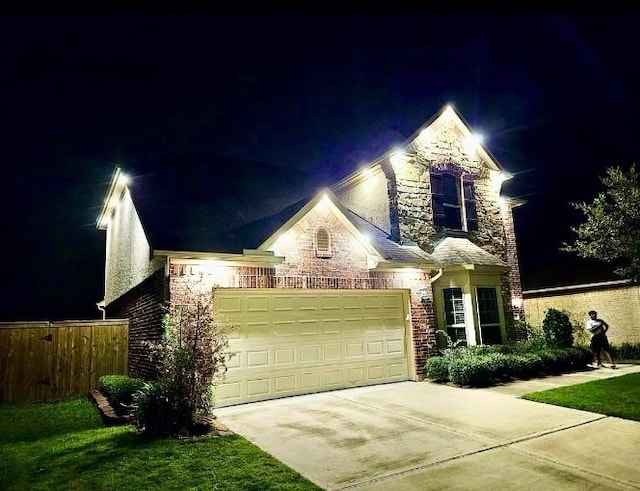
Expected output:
(617, 396)
(65, 445)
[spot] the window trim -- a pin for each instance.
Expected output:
(324, 252)
(497, 324)
(463, 181)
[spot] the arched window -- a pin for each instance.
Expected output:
(323, 243)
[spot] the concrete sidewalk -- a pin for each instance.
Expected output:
(420, 435)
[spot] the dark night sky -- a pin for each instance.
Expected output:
(556, 97)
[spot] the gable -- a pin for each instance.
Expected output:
(449, 138)
(319, 239)
(321, 211)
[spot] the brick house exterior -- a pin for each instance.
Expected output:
(427, 218)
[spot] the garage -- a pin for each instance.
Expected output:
(297, 341)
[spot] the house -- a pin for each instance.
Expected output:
(344, 286)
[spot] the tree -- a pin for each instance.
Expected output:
(191, 360)
(611, 229)
(557, 329)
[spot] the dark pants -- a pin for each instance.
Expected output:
(599, 342)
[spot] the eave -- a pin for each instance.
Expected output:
(249, 257)
(112, 198)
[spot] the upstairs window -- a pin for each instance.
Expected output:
(453, 201)
(323, 243)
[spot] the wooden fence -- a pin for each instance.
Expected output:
(48, 361)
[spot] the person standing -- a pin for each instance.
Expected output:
(598, 328)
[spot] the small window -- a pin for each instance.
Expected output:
(454, 314)
(323, 243)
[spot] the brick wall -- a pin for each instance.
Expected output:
(618, 305)
(143, 306)
(348, 259)
(515, 305)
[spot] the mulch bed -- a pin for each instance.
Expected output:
(110, 417)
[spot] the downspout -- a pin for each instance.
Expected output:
(437, 276)
(101, 308)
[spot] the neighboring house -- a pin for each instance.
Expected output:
(345, 287)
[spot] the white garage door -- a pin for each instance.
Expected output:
(292, 342)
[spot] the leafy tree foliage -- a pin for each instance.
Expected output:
(557, 329)
(191, 360)
(611, 230)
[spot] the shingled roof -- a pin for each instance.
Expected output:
(453, 251)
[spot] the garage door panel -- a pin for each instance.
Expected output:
(284, 356)
(310, 353)
(284, 383)
(395, 346)
(311, 341)
(331, 326)
(284, 303)
(309, 327)
(375, 348)
(258, 387)
(256, 330)
(229, 304)
(354, 350)
(285, 328)
(257, 304)
(332, 352)
(308, 302)
(373, 323)
(257, 358)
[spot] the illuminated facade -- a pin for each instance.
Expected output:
(427, 218)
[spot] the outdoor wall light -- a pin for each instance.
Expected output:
(423, 293)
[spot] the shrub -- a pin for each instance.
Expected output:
(626, 351)
(549, 360)
(160, 410)
(523, 331)
(438, 368)
(579, 356)
(119, 390)
(191, 359)
(557, 328)
(474, 371)
(498, 364)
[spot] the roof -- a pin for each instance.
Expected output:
(387, 247)
(456, 251)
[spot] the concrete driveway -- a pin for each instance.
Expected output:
(412, 435)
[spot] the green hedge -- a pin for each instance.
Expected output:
(482, 367)
(626, 351)
(119, 390)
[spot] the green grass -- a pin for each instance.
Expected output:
(617, 396)
(65, 446)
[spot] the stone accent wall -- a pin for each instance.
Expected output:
(619, 305)
(143, 306)
(443, 149)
